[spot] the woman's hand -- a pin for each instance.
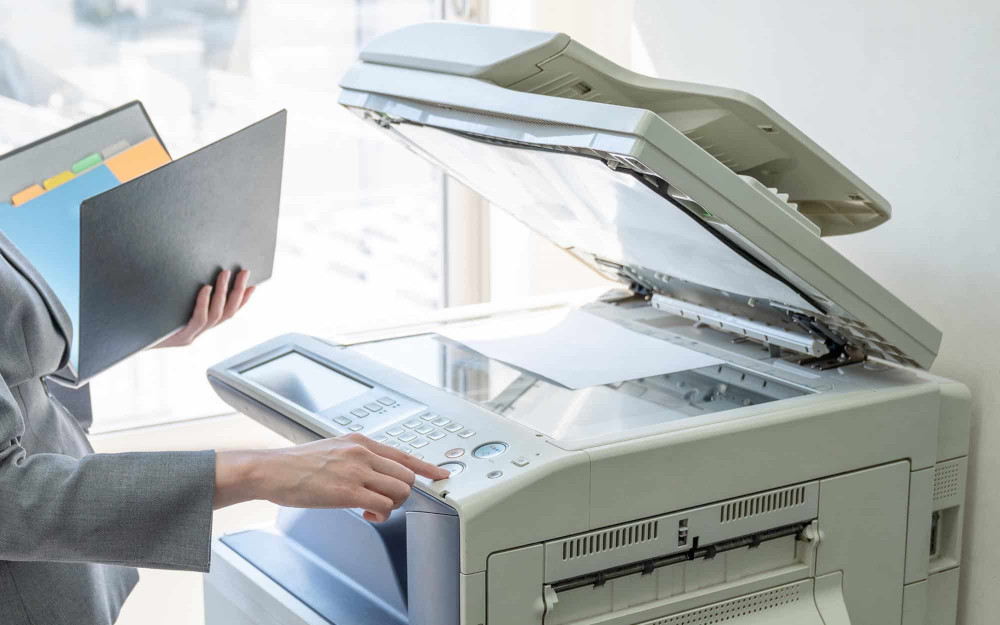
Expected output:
(351, 471)
(212, 307)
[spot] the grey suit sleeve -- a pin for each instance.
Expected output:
(139, 509)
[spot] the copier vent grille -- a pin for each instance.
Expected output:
(947, 479)
(762, 504)
(735, 608)
(608, 540)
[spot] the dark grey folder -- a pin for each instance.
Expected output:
(150, 243)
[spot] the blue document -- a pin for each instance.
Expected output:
(47, 231)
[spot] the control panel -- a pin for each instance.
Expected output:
(332, 391)
(415, 434)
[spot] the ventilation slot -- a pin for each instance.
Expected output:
(947, 478)
(762, 504)
(730, 610)
(608, 540)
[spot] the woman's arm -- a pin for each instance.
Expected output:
(140, 509)
(352, 471)
(154, 509)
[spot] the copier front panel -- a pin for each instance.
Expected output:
(713, 498)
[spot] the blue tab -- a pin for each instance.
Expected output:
(47, 231)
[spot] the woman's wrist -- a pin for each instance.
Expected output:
(239, 476)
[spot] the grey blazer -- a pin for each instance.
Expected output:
(73, 522)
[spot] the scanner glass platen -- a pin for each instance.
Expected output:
(573, 415)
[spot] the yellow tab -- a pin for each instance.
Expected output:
(58, 179)
(28, 194)
(138, 160)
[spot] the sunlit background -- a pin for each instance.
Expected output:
(361, 228)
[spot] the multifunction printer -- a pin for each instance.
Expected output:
(802, 468)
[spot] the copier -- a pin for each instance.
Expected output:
(814, 474)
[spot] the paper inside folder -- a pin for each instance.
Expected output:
(578, 349)
(47, 231)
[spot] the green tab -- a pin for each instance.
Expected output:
(85, 163)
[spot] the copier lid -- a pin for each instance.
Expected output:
(703, 197)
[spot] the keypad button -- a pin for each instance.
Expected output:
(494, 474)
(412, 423)
(424, 429)
(436, 435)
(396, 431)
(356, 427)
(358, 412)
(406, 449)
(466, 433)
(406, 438)
(420, 442)
(342, 420)
(454, 427)
(393, 444)
(430, 416)
(373, 407)
(489, 450)
(386, 401)
(458, 452)
(453, 467)
(520, 462)
(440, 421)
(380, 438)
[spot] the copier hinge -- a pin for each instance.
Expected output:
(841, 352)
(847, 355)
(809, 343)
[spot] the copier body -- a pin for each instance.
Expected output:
(816, 475)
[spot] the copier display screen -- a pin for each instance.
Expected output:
(305, 382)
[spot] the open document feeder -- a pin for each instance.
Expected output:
(759, 489)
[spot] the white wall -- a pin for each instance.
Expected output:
(907, 94)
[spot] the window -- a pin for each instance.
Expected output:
(362, 227)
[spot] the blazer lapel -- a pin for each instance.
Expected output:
(21, 264)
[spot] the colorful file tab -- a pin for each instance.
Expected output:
(27, 195)
(140, 159)
(125, 161)
(113, 149)
(86, 163)
(57, 180)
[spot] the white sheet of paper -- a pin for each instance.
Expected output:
(577, 349)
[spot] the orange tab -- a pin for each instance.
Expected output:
(58, 179)
(138, 160)
(28, 194)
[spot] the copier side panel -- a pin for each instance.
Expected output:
(644, 477)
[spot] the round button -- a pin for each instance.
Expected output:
(453, 467)
(458, 452)
(494, 474)
(490, 450)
